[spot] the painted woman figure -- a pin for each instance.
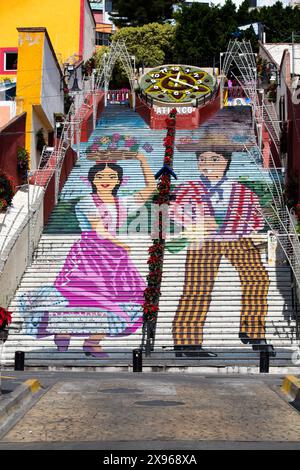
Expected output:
(98, 273)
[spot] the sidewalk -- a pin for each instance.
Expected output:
(137, 409)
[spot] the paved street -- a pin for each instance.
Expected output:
(109, 410)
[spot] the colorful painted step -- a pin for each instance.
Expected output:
(80, 303)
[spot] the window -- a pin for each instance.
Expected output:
(282, 109)
(10, 61)
(102, 39)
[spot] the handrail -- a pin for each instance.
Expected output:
(8, 232)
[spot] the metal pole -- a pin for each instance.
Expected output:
(19, 360)
(29, 222)
(133, 92)
(264, 362)
(137, 360)
(221, 82)
(1, 354)
(105, 80)
(78, 140)
(259, 136)
(293, 54)
(94, 100)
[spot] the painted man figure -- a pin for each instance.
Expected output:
(229, 214)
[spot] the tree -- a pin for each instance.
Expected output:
(151, 44)
(242, 14)
(279, 22)
(140, 12)
(203, 31)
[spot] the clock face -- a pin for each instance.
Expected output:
(177, 83)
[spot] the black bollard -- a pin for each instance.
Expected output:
(264, 361)
(137, 360)
(19, 360)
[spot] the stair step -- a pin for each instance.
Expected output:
(221, 328)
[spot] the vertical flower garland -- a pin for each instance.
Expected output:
(156, 251)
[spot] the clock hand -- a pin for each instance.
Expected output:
(177, 78)
(184, 83)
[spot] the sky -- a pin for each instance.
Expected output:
(259, 2)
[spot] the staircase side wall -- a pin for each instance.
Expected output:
(16, 263)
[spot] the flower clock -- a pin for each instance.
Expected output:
(177, 83)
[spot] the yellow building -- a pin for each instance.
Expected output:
(40, 84)
(70, 25)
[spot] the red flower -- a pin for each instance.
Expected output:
(170, 122)
(5, 317)
(168, 141)
(169, 151)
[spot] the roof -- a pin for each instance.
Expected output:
(275, 52)
(42, 29)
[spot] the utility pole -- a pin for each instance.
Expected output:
(293, 54)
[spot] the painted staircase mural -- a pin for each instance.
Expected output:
(81, 299)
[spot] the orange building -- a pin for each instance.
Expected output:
(70, 25)
(104, 26)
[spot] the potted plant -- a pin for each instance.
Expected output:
(272, 92)
(6, 191)
(23, 161)
(5, 320)
(68, 101)
(40, 143)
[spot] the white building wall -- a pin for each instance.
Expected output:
(276, 52)
(89, 32)
(282, 87)
(52, 95)
(37, 124)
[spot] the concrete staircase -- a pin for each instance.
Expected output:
(37, 296)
